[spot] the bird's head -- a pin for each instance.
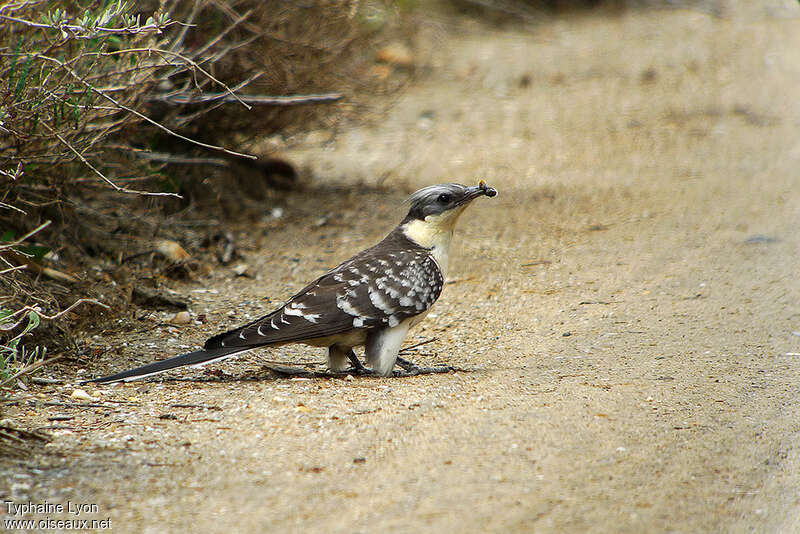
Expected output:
(444, 202)
(435, 210)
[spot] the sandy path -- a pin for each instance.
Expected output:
(624, 310)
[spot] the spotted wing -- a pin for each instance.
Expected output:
(373, 289)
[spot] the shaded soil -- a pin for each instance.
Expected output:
(625, 314)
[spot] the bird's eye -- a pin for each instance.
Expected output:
(444, 198)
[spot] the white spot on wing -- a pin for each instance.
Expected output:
(379, 301)
(358, 322)
(343, 304)
(394, 293)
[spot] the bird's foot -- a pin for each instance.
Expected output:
(412, 369)
(359, 371)
(358, 367)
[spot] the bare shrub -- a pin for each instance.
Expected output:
(97, 97)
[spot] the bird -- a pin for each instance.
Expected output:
(372, 299)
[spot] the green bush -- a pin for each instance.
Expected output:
(13, 355)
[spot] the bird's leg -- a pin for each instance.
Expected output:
(412, 368)
(358, 367)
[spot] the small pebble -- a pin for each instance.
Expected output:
(240, 269)
(181, 318)
(171, 250)
(80, 394)
(396, 53)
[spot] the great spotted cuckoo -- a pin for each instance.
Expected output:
(372, 299)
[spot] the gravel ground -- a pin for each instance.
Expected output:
(624, 316)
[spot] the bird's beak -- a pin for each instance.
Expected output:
(481, 189)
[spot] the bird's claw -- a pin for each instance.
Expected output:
(409, 368)
(360, 371)
(412, 369)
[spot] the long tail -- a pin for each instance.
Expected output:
(198, 358)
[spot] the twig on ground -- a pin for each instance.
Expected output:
(30, 368)
(26, 236)
(42, 381)
(48, 317)
(9, 431)
(451, 281)
(176, 159)
(289, 100)
(10, 207)
(431, 340)
(77, 404)
(201, 406)
(16, 268)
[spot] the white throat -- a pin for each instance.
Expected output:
(435, 233)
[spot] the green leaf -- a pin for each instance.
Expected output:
(33, 322)
(23, 77)
(35, 251)
(14, 63)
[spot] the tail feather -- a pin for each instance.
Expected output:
(196, 358)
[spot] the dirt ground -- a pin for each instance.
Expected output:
(625, 315)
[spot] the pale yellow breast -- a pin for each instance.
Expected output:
(435, 233)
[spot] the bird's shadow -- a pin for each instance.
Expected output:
(274, 372)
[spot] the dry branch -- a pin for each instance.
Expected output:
(84, 32)
(290, 100)
(100, 174)
(31, 368)
(142, 116)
